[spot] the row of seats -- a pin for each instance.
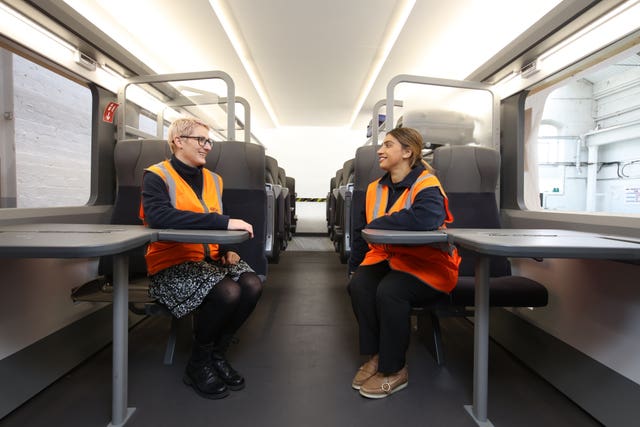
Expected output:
(338, 207)
(281, 200)
(348, 189)
(469, 174)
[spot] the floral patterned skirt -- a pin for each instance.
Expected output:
(182, 287)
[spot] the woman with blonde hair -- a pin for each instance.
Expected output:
(212, 282)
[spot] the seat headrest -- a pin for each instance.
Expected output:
(347, 172)
(467, 168)
(132, 156)
(366, 167)
(241, 165)
(440, 127)
(282, 177)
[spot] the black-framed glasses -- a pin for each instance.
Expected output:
(202, 140)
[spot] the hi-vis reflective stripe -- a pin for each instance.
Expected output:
(407, 203)
(216, 180)
(172, 185)
(378, 209)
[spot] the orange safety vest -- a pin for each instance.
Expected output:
(161, 255)
(434, 265)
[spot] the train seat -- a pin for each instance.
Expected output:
(343, 194)
(469, 175)
(286, 214)
(241, 166)
(365, 171)
(130, 158)
(291, 185)
(275, 206)
(334, 182)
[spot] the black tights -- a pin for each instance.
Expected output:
(226, 307)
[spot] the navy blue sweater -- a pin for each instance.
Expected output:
(160, 213)
(426, 213)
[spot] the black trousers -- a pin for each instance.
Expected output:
(382, 299)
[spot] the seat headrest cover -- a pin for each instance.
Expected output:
(282, 177)
(441, 126)
(481, 166)
(347, 171)
(132, 156)
(241, 165)
(366, 167)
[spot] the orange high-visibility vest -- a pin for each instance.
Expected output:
(434, 265)
(161, 255)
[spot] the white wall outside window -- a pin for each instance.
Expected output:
(52, 137)
(587, 154)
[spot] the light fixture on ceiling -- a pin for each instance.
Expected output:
(608, 28)
(605, 30)
(19, 27)
(230, 27)
(396, 23)
(33, 36)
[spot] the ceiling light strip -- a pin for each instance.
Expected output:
(235, 36)
(396, 24)
(28, 33)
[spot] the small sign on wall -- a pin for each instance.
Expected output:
(110, 112)
(632, 196)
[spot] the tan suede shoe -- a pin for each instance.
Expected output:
(366, 371)
(381, 385)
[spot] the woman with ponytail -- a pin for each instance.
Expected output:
(387, 280)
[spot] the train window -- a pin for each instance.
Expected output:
(583, 141)
(46, 149)
(147, 124)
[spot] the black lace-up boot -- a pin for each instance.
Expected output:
(202, 376)
(230, 376)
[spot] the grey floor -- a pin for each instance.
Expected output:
(310, 243)
(298, 353)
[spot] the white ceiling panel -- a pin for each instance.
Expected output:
(313, 56)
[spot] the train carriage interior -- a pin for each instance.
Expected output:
(530, 117)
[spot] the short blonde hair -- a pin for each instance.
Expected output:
(183, 126)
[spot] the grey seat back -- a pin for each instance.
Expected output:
(344, 178)
(241, 166)
(291, 185)
(331, 203)
(275, 209)
(365, 171)
(469, 176)
(481, 166)
(287, 203)
(271, 167)
(366, 168)
(131, 157)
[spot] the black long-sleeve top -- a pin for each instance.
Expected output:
(426, 213)
(160, 213)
